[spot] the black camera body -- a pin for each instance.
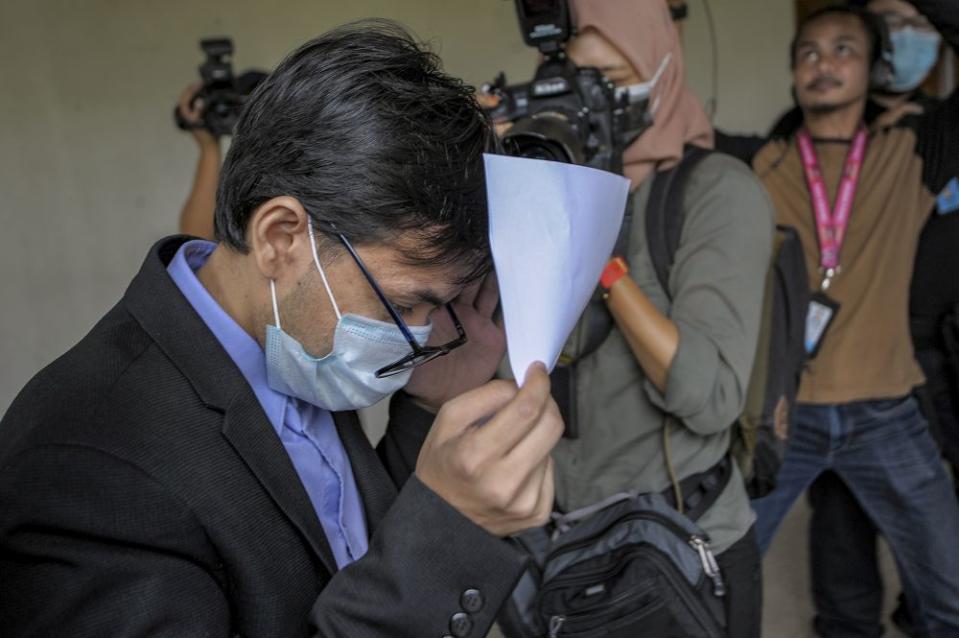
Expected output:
(222, 94)
(566, 113)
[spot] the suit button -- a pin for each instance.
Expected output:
(461, 624)
(472, 601)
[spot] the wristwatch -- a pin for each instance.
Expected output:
(614, 271)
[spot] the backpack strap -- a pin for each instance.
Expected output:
(665, 213)
(665, 216)
(622, 240)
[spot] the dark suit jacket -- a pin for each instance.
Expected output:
(143, 492)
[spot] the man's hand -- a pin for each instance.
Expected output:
(891, 116)
(489, 101)
(488, 453)
(470, 365)
(192, 111)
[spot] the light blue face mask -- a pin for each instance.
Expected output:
(345, 379)
(914, 53)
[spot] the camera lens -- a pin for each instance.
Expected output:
(547, 136)
(533, 148)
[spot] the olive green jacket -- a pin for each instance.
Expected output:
(717, 284)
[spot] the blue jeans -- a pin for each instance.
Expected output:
(884, 452)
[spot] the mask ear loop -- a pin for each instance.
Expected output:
(662, 68)
(316, 260)
(276, 309)
(656, 76)
(644, 90)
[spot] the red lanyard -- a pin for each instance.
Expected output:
(831, 223)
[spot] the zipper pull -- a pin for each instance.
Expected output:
(710, 566)
(555, 624)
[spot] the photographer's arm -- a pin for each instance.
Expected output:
(699, 358)
(196, 218)
(651, 335)
(746, 147)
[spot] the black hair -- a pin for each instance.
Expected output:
(874, 25)
(363, 127)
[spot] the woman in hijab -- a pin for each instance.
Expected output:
(685, 353)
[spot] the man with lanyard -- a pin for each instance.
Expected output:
(847, 585)
(856, 414)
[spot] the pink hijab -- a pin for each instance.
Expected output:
(643, 31)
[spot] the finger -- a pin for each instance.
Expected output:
(547, 492)
(892, 116)
(487, 299)
(468, 296)
(539, 441)
(487, 100)
(187, 95)
(475, 406)
(536, 482)
(443, 330)
(519, 417)
(535, 502)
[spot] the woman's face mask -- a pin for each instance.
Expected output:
(643, 91)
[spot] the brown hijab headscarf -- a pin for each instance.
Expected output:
(643, 31)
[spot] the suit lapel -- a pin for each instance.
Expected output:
(165, 314)
(251, 434)
(372, 480)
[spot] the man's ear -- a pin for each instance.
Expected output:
(278, 235)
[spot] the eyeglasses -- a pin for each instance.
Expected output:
(420, 354)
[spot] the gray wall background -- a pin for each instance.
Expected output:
(92, 170)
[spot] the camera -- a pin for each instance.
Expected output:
(566, 113)
(222, 93)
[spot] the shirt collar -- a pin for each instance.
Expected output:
(242, 348)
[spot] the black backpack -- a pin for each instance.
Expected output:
(760, 434)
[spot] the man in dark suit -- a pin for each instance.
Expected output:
(194, 466)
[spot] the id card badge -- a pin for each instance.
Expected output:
(822, 311)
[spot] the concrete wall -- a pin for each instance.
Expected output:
(92, 170)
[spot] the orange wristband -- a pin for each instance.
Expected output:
(614, 271)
